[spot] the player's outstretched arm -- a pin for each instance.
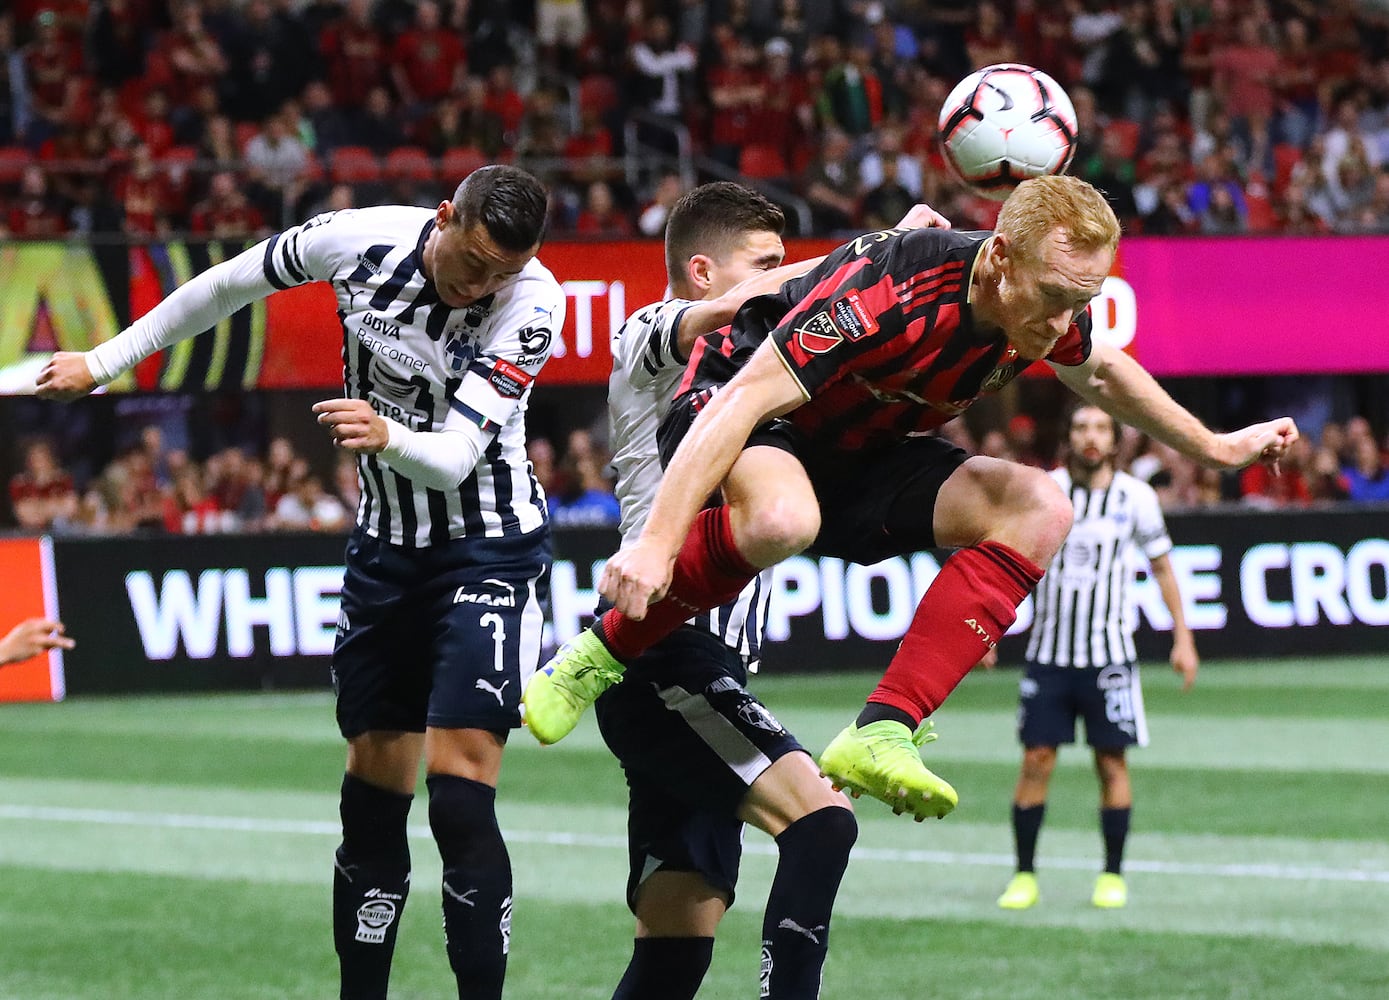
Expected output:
(640, 574)
(198, 305)
(1118, 384)
(1184, 658)
(32, 637)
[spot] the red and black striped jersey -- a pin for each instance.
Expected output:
(881, 339)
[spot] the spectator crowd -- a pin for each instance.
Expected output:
(226, 117)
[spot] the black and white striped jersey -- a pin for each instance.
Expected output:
(647, 367)
(415, 358)
(1084, 609)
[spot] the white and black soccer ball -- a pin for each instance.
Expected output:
(1005, 123)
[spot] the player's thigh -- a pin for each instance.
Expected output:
(1047, 706)
(878, 504)
(789, 790)
(381, 656)
(1113, 707)
(991, 499)
(389, 760)
(486, 620)
(774, 509)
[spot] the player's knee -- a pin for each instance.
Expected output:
(827, 834)
(775, 528)
(463, 818)
(1046, 512)
(1038, 763)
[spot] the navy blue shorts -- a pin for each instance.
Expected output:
(1109, 699)
(443, 636)
(691, 740)
(874, 503)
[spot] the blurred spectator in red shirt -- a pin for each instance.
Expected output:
(188, 56)
(53, 73)
(225, 213)
(36, 213)
(1261, 487)
(1244, 73)
(427, 61)
(737, 89)
(786, 117)
(354, 53)
(504, 100)
(42, 494)
(189, 510)
(144, 196)
(152, 124)
(601, 215)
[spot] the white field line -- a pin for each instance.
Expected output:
(318, 828)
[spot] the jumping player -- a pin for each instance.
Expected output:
(813, 414)
(447, 317)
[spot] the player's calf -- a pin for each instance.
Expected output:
(371, 879)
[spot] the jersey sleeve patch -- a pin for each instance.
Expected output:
(852, 317)
(509, 380)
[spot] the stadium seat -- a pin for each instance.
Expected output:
(459, 162)
(411, 163)
(354, 165)
(763, 163)
(13, 160)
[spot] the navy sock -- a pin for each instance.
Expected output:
(665, 968)
(477, 883)
(1027, 823)
(371, 879)
(813, 853)
(1114, 827)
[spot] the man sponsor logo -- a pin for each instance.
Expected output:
(508, 380)
(818, 335)
(499, 594)
(387, 329)
(374, 918)
(852, 317)
(299, 611)
(390, 352)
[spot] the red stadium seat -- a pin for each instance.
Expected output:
(1286, 156)
(459, 162)
(354, 165)
(763, 163)
(13, 160)
(411, 163)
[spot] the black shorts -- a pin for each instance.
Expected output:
(691, 740)
(443, 636)
(1109, 699)
(874, 503)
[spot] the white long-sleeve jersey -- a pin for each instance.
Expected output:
(419, 362)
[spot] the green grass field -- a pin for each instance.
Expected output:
(180, 848)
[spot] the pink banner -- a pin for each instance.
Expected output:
(1252, 306)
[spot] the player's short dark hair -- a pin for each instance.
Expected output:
(1086, 405)
(509, 202)
(713, 219)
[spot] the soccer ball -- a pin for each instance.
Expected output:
(1004, 124)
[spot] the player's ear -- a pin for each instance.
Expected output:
(444, 214)
(698, 270)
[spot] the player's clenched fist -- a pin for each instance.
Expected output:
(65, 377)
(634, 578)
(1267, 443)
(353, 424)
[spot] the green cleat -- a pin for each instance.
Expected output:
(1110, 891)
(883, 760)
(559, 692)
(1021, 893)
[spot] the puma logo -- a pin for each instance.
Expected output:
(483, 685)
(790, 925)
(461, 898)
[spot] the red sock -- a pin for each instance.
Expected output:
(709, 571)
(967, 608)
